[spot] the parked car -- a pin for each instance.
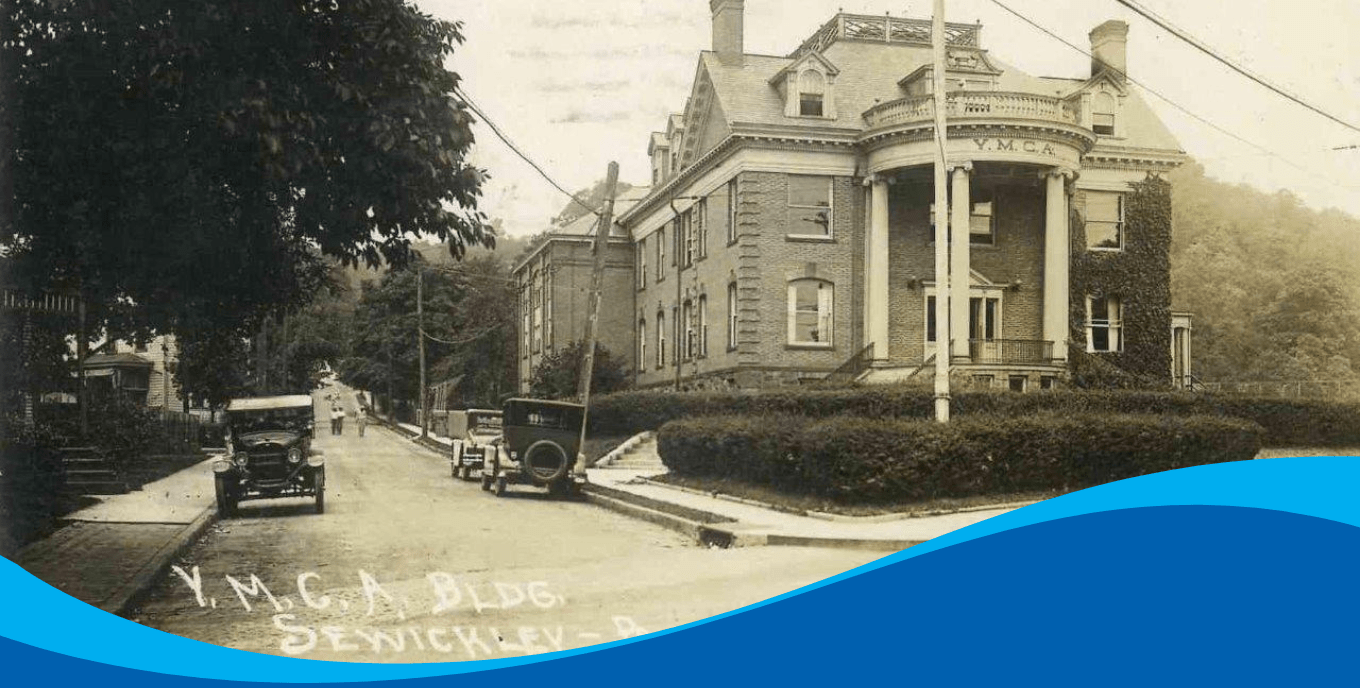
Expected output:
(540, 445)
(474, 433)
(269, 453)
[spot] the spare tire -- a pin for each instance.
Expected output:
(545, 461)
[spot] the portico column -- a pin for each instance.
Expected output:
(876, 259)
(960, 263)
(1057, 258)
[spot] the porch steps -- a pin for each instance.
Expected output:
(89, 472)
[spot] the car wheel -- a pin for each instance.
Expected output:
(226, 506)
(500, 486)
(546, 461)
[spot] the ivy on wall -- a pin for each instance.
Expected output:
(1140, 276)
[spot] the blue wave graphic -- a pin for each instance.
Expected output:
(1254, 552)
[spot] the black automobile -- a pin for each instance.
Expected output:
(540, 445)
(269, 453)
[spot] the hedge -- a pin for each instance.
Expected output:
(1287, 422)
(867, 461)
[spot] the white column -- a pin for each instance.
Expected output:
(960, 258)
(876, 282)
(1057, 257)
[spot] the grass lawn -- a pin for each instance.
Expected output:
(800, 503)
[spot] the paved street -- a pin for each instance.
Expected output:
(410, 565)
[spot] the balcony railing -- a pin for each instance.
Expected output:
(974, 104)
(864, 27)
(1010, 351)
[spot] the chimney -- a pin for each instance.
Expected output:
(1109, 47)
(727, 30)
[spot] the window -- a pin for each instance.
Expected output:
(661, 254)
(1102, 114)
(1048, 382)
(701, 229)
(689, 342)
(984, 316)
(660, 339)
(548, 307)
(810, 302)
(525, 318)
(642, 264)
(930, 319)
(1018, 383)
(1104, 221)
(1104, 316)
(809, 206)
(732, 212)
(983, 381)
(732, 316)
(703, 327)
(981, 221)
(811, 92)
(537, 296)
(686, 221)
(642, 344)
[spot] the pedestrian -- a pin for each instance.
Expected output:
(339, 420)
(362, 420)
(335, 420)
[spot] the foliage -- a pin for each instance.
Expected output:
(1139, 276)
(189, 165)
(1273, 285)
(212, 367)
(869, 460)
(558, 376)
(1287, 422)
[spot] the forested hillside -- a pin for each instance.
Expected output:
(1273, 285)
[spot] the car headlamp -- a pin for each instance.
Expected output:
(241, 459)
(221, 466)
(294, 455)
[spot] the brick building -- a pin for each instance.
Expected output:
(789, 231)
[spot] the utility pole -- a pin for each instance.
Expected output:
(420, 334)
(596, 287)
(391, 400)
(944, 333)
(83, 352)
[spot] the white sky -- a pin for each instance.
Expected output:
(578, 84)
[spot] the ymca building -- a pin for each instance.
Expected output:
(788, 232)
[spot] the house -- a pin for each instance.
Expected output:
(142, 372)
(789, 232)
(554, 280)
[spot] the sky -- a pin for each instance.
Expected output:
(577, 85)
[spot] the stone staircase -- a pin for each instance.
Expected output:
(637, 454)
(90, 472)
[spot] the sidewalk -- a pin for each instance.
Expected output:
(113, 551)
(728, 523)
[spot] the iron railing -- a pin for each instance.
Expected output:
(1010, 351)
(852, 368)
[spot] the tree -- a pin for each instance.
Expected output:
(188, 166)
(558, 376)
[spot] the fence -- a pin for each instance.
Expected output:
(180, 430)
(1286, 389)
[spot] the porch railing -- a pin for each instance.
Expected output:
(1010, 350)
(974, 104)
(853, 367)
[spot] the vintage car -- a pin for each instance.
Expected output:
(540, 445)
(269, 453)
(474, 433)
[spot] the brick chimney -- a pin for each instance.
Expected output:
(727, 30)
(1109, 47)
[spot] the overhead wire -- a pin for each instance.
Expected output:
(1171, 102)
(1199, 45)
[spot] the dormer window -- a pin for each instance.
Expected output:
(811, 94)
(1102, 114)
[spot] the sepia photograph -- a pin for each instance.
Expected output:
(424, 331)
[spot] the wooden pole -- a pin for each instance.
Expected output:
(420, 335)
(943, 330)
(596, 287)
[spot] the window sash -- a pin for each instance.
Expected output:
(809, 205)
(810, 312)
(732, 207)
(1104, 221)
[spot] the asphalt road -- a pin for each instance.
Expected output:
(410, 565)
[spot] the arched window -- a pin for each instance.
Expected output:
(732, 316)
(1102, 114)
(811, 93)
(688, 342)
(703, 326)
(660, 339)
(810, 312)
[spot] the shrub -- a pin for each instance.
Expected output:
(1287, 422)
(865, 460)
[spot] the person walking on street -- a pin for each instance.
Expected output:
(339, 420)
(362, 420)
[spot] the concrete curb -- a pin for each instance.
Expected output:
(123, 599)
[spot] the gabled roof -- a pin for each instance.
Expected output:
(797, 65)
(658, 140)
(117, 361)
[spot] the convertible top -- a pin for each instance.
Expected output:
(270, 403)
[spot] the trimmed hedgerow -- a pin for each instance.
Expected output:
(867, 461)
(1287, 422)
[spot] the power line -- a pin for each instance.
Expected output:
(525, 156)
(1178, 33)
(457, 342)
(1169, 101)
